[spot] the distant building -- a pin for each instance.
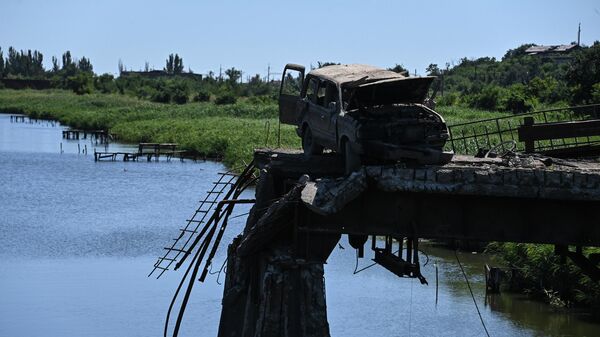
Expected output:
(559, 53)
(558, 49)
(160, 73)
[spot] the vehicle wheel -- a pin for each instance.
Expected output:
(309, 145)
(351, 158)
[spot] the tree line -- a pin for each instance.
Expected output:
(518, 82)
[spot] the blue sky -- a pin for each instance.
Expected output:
(253, 35)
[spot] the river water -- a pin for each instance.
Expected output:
(78, 238)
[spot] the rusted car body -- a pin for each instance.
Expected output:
(365, 113)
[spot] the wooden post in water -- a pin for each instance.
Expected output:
(436, 284)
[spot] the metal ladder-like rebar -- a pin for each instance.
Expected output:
(181, 243)
(209, 235)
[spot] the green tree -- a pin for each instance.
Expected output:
(1, 63)
(105, 83)
(67, 60)
(55, 65)
(85, 65)
(325, 64)
(22, 64)
(174, 64)
(81, 83)
(398, 68)
(233, 75)
(596, 93)
(584, 72)
(519, 51)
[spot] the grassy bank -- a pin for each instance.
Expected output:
(540, 272)
(231, 131)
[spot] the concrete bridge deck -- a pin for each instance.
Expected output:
(530, 199)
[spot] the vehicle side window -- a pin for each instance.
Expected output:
(292, 83)
(321, 93)
(326, 94)
(331, 94)
(311, 90)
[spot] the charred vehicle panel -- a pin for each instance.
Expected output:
(363, 112)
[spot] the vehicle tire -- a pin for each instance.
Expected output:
(351, 158)
(309, 145)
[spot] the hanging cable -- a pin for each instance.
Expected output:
(472, 296)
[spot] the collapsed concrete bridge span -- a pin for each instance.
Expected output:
(275, 281)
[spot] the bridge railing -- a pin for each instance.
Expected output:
(501, 133)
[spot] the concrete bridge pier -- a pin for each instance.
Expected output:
(278, 290)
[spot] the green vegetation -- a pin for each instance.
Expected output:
(520, 82)
(230, 131)
(541, 273)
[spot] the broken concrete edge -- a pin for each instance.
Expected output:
(328, 196)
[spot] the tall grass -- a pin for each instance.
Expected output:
(229, 131)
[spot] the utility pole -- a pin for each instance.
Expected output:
(268, 72)
(220, 73)
(579, 34)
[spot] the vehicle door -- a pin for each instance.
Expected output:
(289, 94)
(325, 112)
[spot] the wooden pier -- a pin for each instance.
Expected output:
(101, 136)
(145, 150)
(17, 119)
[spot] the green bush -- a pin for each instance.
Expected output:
(162, 95)
(540, 271)
(487, 99)
(263, 99)
(179, 96)
(448, 99)
(516, 100)
(202, 96)
(225, 99)
(596, 93)
(105, 84)
(81, 83)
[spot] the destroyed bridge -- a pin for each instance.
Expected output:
(523, 185)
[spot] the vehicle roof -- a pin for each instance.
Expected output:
(353, 72)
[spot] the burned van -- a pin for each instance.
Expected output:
(365, 113)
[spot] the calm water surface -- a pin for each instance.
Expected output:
(78, 238)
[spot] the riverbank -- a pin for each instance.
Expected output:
(541, 273)
(228, 131)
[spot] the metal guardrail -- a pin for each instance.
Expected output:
(502, 133)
